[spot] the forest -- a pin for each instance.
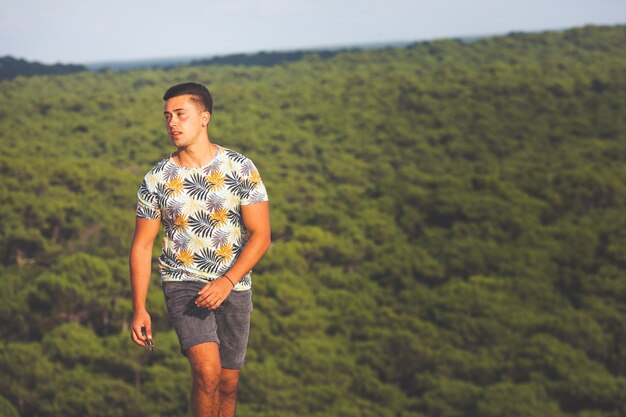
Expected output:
(263, 59)
(448, 232)
(12, 67)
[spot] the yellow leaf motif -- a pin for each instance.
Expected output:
(219, 217)
(185, 257)
(196, 243)
(180, 223)
(255, 178)
(225, 253)
(175, 185)
(216, 179)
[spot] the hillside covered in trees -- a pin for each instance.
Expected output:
(448, 233)
(12, 67)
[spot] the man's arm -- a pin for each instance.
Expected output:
(140, 269)
(256, 218)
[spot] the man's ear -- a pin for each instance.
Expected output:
(206, 117)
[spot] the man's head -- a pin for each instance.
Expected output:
(199, 94)
(187, 114)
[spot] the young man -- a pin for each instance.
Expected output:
(215, 214)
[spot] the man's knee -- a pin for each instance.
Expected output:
(205, 366)
(228, 384)
(206, 376)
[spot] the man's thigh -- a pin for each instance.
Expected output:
(194, 325)
(233, 328)
(204, 357)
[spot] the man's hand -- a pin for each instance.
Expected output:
(213, 294)
(141, 319)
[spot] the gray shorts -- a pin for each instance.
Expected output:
(228, 326)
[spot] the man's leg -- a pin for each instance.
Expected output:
(206, 372)
(233, 327)
(228, 392)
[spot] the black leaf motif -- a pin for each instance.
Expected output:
(146, 213)
(232, 182)
(245, 188)
(201, 224)
(196, 187)
(206, 260)
(159, 166)
(163, 194)
(144, 192)
(235, 156)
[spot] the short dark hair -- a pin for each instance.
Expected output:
(198, 92)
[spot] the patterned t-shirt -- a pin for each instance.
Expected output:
(200, 209)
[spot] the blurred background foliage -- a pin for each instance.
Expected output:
(448, 232)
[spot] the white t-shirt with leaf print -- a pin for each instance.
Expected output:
(200, 209)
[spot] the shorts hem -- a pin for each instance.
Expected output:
(187, 346)
(231, 365)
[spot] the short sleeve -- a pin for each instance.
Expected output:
(252, 189)
(147, 203)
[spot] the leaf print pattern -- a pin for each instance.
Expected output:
(181, 242)
(197, 187)
(215, 180)
(245, 188)
(146, 213)
(206, 259)
(163, 194)
(213, 166)
(201, 214)
(144, 192)
(159, 167)
(214, 202)
(168, 226)
(180, 223)
(234, 216)
(232, 182)
(202, 225)
(238, 246)
(174, 208)
(219, 218)
(170, 171)
(184, 257)
(247, 168)
(219, 238)
(245, 282)
(257, 197)
(168, 256)
(174, 272)
(175, 185)
(235, 156)
(224, 254)
(255, 177)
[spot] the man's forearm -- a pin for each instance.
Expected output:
(252, 252)
(140, 270)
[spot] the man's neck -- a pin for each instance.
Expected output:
(196, 155)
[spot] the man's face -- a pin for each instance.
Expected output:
(185, 120)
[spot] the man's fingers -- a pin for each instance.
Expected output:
(204, 301)
(149, 330)
(201, 300)
(212, 295)
(204, 289)
(137, 338)
(141, 329)
(210, 301)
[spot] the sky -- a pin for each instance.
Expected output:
(92, 31)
